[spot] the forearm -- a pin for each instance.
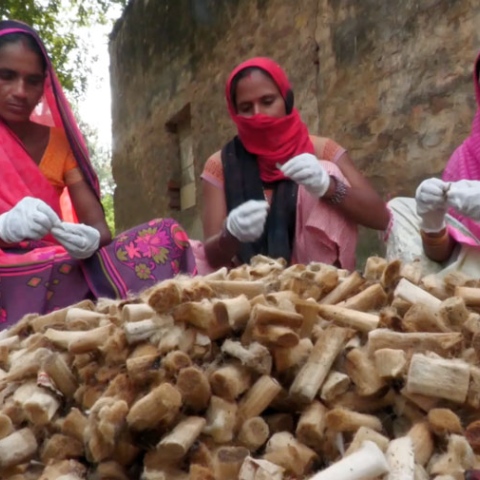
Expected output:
(438, 246)
(364, 208)
(221, 248)
(105, 234)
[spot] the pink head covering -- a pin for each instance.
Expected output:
(464, 164)
(272, 140)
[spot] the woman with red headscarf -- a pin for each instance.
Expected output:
(441, 226)
(55, 246)
(276, 190)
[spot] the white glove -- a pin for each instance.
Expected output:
(247, 221)
(431, 198)
(80, 240)
(306, 170)
(464, 197)
(29, 219)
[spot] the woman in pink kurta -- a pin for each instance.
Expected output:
(276, 190)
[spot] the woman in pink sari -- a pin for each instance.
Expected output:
(275, 189)
(55, 246)
(445, 211)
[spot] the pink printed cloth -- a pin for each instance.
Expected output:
(464, 164)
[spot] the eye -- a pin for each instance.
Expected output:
(35, 81)
(244, 108)
(6, 74)
(268, 100)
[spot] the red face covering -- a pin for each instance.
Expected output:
(272, 140)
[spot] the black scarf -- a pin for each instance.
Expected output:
(242, 182)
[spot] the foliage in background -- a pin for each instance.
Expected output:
(56, 21)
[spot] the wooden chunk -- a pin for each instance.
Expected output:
(372, 298)
(443, 421)
(470, 295)
(361, 370)
(253, 433)
(438, 377)
(422, 442)
(444, 344)
(176, 444)
(390, 363)
(343, 420)
(17, 448)
(312, 375)
(335, 384)
(258, 398)
(344, 317)
(161, 404)
(311, 425)
(228, 462)
(344, 289)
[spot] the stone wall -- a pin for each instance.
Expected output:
(389, 80)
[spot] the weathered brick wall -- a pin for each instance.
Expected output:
(389, 80)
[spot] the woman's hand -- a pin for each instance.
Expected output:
(79, 240)
(431, 198)
(464, 197)
(30, 219)
(306, 170)
(247, 221)
(89, 210)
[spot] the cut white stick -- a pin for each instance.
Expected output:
(134, 312)
(367, 462)
(413, 294)
(176, 444)
(17, 448)
(312, 375)
(470, 295)
(335, 384)
(344, 289)
(365, 433)
(255, 469)
(438, 377)
(372, 298)
(361, 321)
(255, 356)
(444, 344)
(390, 363)
(401, 459)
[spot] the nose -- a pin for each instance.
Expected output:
(19, 89)
(257, 108)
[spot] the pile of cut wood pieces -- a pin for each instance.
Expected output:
(263, 372)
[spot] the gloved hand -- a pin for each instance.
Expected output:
(80, 240)
(306, 170)
(247, 221)
(431, 198)
(29, 219)
(464, 197)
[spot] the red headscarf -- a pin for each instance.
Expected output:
(272, 140)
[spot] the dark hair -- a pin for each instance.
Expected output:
(245, 73)
(28, 41)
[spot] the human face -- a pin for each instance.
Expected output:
(257, 93)
(21, 82)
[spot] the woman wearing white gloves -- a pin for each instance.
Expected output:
(446, 212)
(55, 245)
(276, 190)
